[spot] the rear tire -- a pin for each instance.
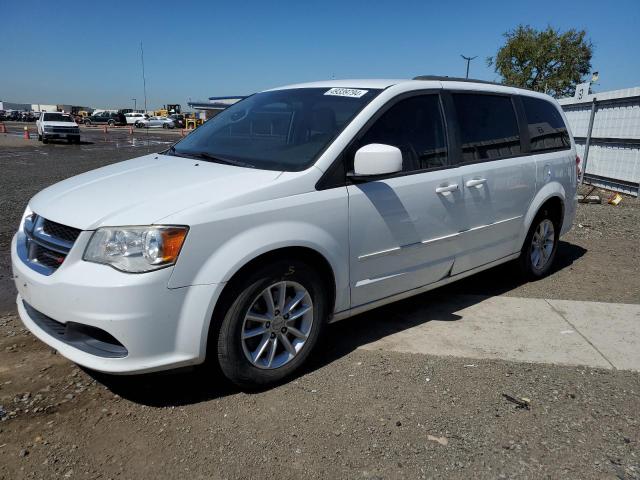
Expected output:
(540, 246)
(260, 344)
(111, 123)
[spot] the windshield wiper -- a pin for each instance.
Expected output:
(217, 159)
(207, 157)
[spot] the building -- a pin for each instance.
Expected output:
(215, 105)
(22, 107)
(606, 127)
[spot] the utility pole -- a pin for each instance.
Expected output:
(134, 104)
(144, 79)
(468, 59)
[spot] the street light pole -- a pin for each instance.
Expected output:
(134, 104)
(468, 59)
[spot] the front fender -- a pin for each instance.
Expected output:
(222, 240)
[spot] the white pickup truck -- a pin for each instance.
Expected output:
(57, 125)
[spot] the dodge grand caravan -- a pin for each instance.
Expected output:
(295, 207)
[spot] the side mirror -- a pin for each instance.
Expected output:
(376, 159)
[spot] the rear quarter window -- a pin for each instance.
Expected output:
(546, 127)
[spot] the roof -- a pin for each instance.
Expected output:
(418, 82)
(347, 83)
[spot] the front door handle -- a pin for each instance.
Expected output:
(449, 188)
(476, 182)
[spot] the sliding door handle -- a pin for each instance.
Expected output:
(476, 182)
(449, 188)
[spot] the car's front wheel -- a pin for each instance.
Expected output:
(540, 246)
(273, 323)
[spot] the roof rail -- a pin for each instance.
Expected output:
(444, 78)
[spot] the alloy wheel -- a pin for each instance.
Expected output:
(277, 325)
(542, 244)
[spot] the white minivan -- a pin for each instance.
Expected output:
(293, 208)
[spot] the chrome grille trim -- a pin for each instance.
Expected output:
(38, 246)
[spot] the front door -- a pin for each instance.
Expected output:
(403, 230)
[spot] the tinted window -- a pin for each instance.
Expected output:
(276, 130)
(415, 126)
(488, 126)
(546, 127)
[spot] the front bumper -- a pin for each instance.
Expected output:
(50, 135)
(159, 327)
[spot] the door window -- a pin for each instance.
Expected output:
(488, 126)
(415, 126)
(546, 127)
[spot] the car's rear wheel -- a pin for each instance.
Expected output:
(111, 123)
(272, 325)
(87, 122)
(540, 246)
(164, 125)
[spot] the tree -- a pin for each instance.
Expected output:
(544, 60)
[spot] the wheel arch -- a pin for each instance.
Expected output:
(308, 255)
(552, 196)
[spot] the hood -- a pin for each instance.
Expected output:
(49, 123)
(143, 190)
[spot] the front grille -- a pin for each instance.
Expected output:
(57, 230)
(45, 256)
(65, 130)
(46, 244)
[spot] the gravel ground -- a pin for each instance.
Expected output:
(352, 413)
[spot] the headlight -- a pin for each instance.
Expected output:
(26, 222)
(136, 249)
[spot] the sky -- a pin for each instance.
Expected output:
(88, 52)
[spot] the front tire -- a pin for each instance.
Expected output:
(540, 246)
(272, 325)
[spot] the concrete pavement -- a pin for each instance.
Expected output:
(603, 335)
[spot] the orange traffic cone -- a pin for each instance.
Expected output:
(26, 133)
(3, 128)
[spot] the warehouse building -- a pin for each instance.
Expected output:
(606, 127)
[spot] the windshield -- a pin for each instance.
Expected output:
(276, 130)
(57, 117)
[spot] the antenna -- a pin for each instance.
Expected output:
(468, 59)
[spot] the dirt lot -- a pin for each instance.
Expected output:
(352, 413)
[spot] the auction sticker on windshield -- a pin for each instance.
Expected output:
(346, 92)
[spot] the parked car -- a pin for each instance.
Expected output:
(133, 117)
(52, 125)
(293, 208)
(106, 118)
(178, 119)
(155, 122)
